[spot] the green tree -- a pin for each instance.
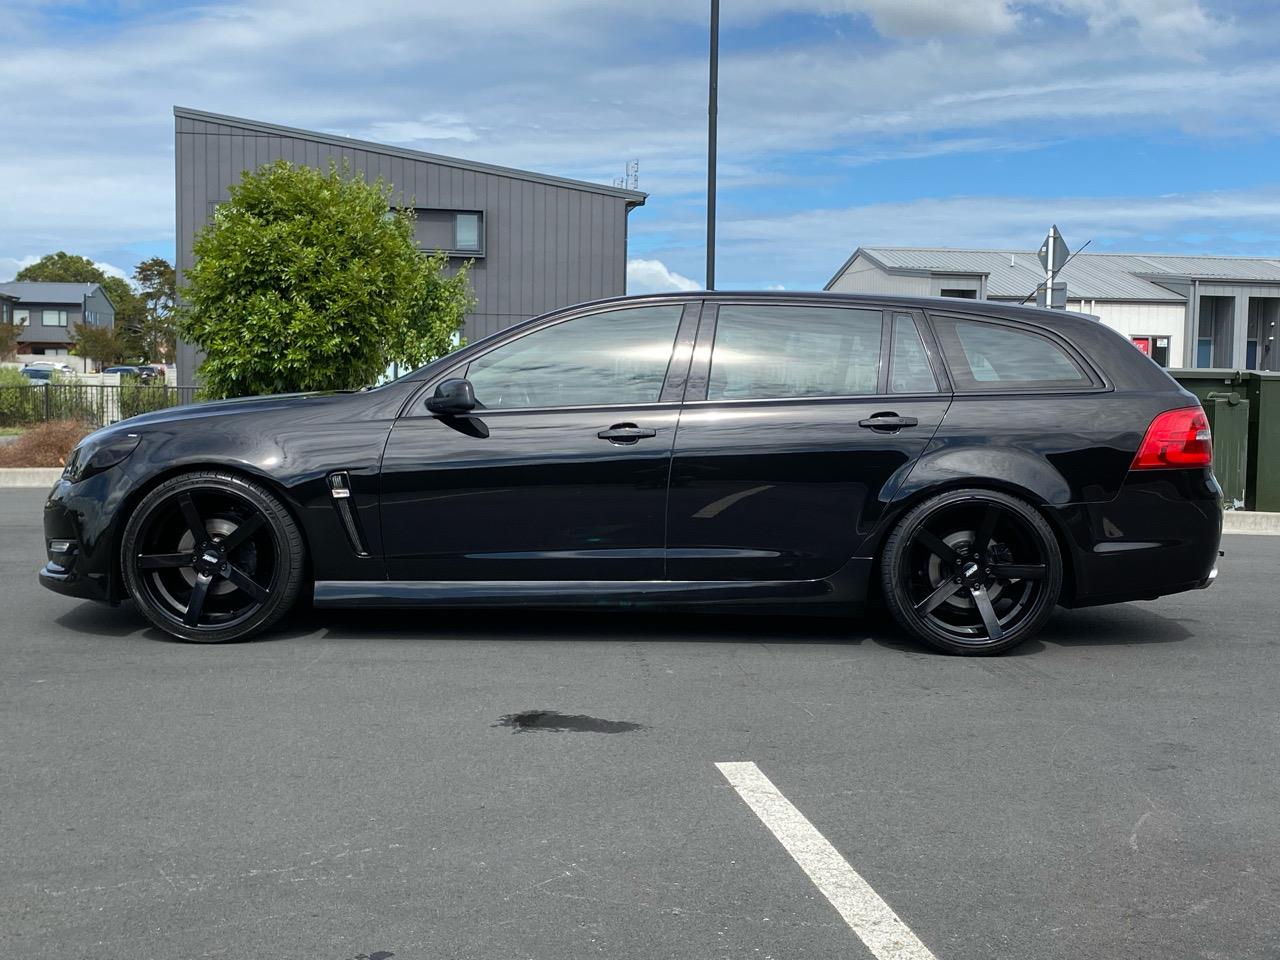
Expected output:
(155, 333)
(102, 345)
(63, 267)
(308, 280)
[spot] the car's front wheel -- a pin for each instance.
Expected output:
(972, 571)
(211, 557)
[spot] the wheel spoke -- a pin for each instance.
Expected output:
(934, 545)
(192, 517)
(934, 600)
(988, 527)
(195, 606)
(1018, 571)
(162, 561)
(243, 532)
(988, 612)
(244, 582)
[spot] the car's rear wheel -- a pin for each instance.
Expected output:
(972, 571)
(212, 557)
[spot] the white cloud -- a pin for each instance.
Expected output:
(652, 276)
(433, 127)
(603, 82)
(813, 244)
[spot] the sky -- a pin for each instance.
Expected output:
(1139, 125)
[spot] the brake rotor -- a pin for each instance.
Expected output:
(961, 541)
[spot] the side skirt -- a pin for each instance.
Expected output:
(847, 587)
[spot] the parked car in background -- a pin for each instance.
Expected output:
(37, 376)
(975, 464)
(57, 365)
(142, 372)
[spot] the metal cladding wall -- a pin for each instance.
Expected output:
(548, 242)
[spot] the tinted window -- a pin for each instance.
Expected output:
(794, 351)
(993, 356)
(615, 357)
(909, 370)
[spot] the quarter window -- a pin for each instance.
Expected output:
(766, 352)
(995, 356)
(909, 370)
(611, 358)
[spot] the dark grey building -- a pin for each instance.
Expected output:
(539, 242)
(47, 314)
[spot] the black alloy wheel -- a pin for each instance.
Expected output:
(972, 572)
(212, 557)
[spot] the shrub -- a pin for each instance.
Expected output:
(44, 445)
(308, 280)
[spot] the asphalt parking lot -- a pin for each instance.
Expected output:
(348, 787)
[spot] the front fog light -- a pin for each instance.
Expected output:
(61, 548)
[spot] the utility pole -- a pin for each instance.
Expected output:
(712, 97)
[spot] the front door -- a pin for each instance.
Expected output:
(560, 473)
(800, 422)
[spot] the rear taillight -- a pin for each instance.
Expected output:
(1176, 438)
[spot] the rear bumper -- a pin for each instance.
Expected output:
(1160, 535)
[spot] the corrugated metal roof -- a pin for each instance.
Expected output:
(1089, 276)
(33, 291)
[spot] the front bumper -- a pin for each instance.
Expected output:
(75, 523)
(67, 582)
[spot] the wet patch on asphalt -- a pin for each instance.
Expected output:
(554, 722)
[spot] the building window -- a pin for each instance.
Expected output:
(458, 233)
(1157, 348)
(21, 316)
(466, 232)
(959, 294)
(54, 318)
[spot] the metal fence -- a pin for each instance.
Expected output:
(95, 404)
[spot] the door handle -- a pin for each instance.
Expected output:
(626, 433)
(888, 421)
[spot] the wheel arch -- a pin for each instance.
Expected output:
(135, 496)
(907, 500)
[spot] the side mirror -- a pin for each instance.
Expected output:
(452, 398)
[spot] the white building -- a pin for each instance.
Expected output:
(1184, 311)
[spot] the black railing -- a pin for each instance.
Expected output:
(95, 404)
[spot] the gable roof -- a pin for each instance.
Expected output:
(634, 198)
(37, 291)
(1089, 276)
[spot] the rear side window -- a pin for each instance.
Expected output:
(777, 351)
(995, 356)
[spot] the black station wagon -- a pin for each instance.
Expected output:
(973, 463)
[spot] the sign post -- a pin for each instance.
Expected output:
(1053, 256)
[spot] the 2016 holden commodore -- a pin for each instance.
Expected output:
(977, 464)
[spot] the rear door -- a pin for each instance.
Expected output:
(800, 421)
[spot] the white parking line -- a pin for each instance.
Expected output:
(863, 910)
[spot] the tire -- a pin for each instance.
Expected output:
(972, 572)
(211, 557)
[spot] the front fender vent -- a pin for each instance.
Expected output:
(340, 492)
